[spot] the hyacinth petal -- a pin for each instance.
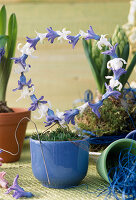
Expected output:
(18, 191)
(95, 107)
(73, 39)
(33, 42)
(112, 51)
(92, 35)
(42, 97)
(118, 73)
(50, 112)
(21, 60)
(22, 79)
(70, 115)
(51, 35)
(110, 92)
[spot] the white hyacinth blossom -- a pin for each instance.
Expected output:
(116, 63)
(83, 107)
(103, 42)
(114, 83)
(63, 34)
(83, 34)
(42, 36)
(42, 110)
(62, 117)
(25, 49)
(19, 69)
(26, 92)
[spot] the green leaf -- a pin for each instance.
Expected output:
(3, 40)
(129, 70)
(125, 54)
(95, 72)
(7, 65)
(3, 17)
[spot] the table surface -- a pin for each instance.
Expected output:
(88, 189)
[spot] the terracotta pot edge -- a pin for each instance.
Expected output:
(16, 111)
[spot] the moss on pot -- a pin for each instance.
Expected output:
(114, 118)
(60, 134)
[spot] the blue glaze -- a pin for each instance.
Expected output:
(67, 162)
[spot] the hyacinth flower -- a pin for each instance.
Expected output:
(63, 34)
(70, 116)
(25, 49)
(21, 60)
(103, 42)
(22, 82)
(116, 63)
(51, 118)
(110, 92)
(18, 191)
(114, 82)
(25, 87)
(51, 35)
(111, 51)
(92, 35)
(2, 52)
(42, 36)
(73, 39)
(36, 102)
(83, 34)
(33, 42)
(61, 116)
(95, 107)
(118, 73)
(20, 69)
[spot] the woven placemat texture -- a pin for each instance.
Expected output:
(87, 190)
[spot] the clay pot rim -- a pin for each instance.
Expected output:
(16, 110)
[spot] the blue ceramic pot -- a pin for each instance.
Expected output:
(66, 162)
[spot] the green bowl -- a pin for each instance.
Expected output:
(110, 156)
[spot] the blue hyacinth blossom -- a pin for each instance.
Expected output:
(110, 92)
(51, 35)
(33, 42)
(112, 51)
(73, 39)
(36, 101)
(95, 107)
(22, 82)
(18, 191)
(21, 60)
(92, 35)
(51, 118)
(118, 73)
(2, 52)
(70, 116)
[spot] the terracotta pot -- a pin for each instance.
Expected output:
(8, 125)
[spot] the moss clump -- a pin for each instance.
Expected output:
(114, 119)
(60, 134)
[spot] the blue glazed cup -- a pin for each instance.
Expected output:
(66, 162)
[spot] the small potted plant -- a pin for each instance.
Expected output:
(116, 115)
(63, 154)
(9, 117)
